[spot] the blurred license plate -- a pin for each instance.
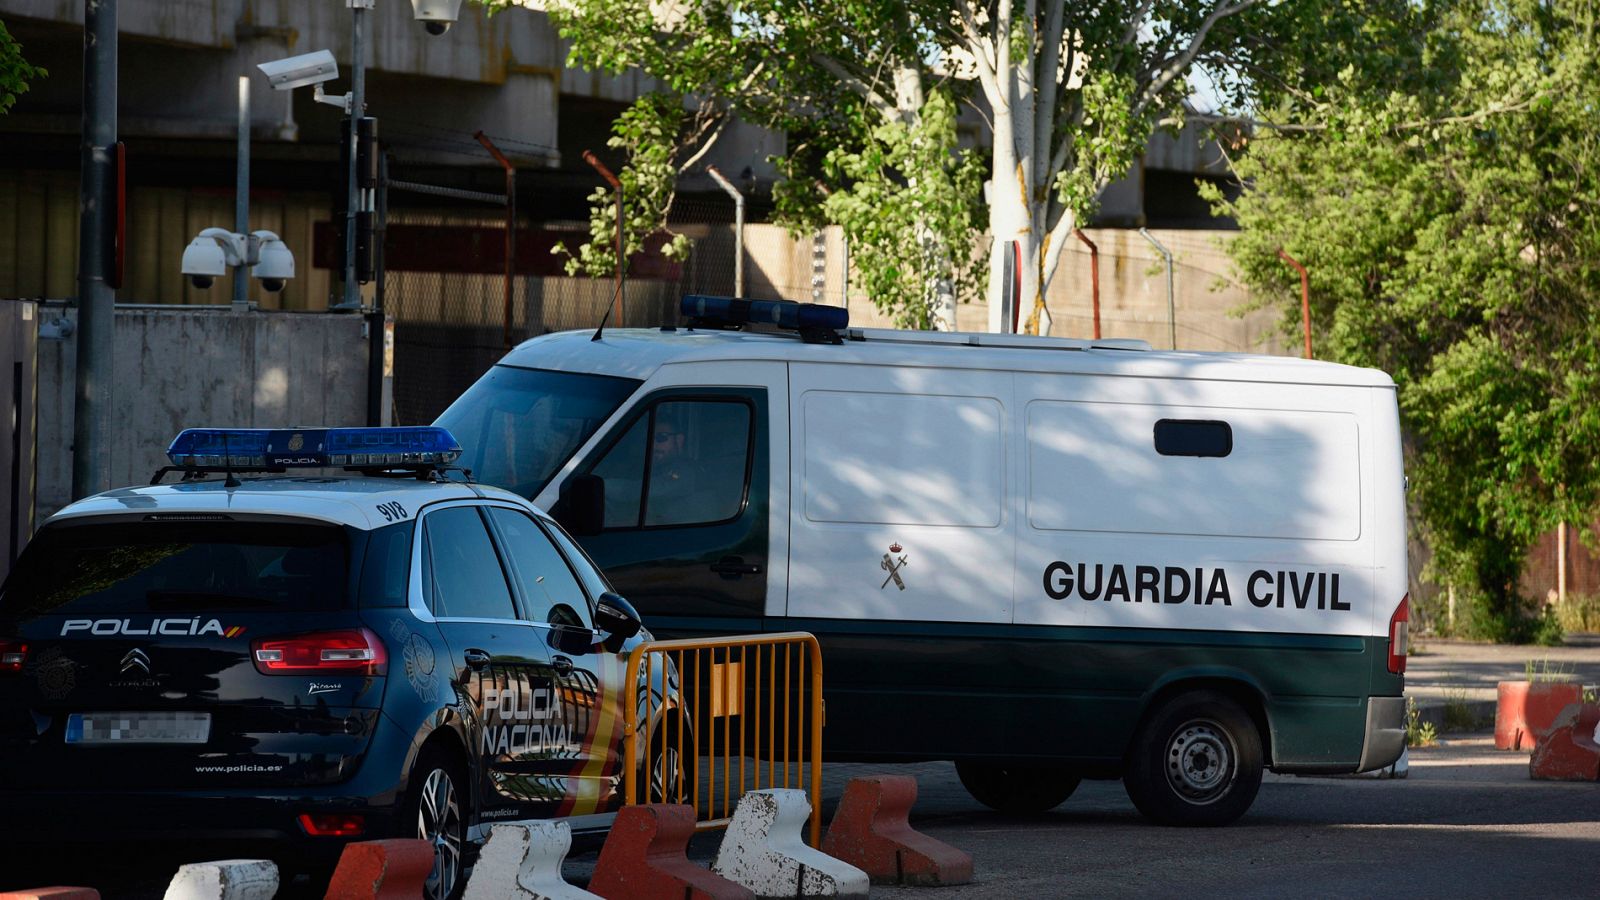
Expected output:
(138, 728)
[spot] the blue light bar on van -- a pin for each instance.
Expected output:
(728, 311)
(279, 448)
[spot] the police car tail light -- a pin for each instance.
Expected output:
(12, 655)
(1400, 635)
(353, 651)
(333, 824)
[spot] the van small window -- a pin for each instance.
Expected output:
(1193, 437)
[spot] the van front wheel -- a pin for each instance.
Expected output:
(1196, 760)
(1018, 790)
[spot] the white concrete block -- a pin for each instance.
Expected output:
(765, 852)
(522, 861)
(228, 879)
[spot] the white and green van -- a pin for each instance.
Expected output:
(1045, 559)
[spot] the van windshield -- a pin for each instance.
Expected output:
(518, 426)
(144, 566)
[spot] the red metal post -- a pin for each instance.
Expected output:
(1094, 276)
(511, 231)
(616, 188)
(1305, 296)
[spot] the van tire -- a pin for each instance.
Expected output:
(1017, 790)
(439, 818)
(1196, 760)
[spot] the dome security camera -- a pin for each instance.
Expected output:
(204, 259)
(436, 16)
(274, 263)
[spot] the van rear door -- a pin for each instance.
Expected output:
(132, 655)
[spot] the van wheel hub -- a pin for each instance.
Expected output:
(1200, 761)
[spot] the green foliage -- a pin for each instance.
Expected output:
(906, 179)
(1442, 201)
(15, 72)
(1544, 671)
(1458, 715)
(1580, 612)
(1418, 732)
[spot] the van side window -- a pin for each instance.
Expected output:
(684, 463)
(467, 580)
(550, 592)
(1193, 437)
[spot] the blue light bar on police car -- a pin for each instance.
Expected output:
(781, 313)
(275, 448)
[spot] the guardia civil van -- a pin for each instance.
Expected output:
(287, 660)
(1044, 559)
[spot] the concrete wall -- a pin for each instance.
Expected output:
(177, 368)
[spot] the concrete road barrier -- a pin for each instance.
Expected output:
(51, 893)
(644, 858)
(871, 830)
(395, 869)
(228, 879)
(1526, 711)
(522, 861)
(1571, 750)
(763, 850)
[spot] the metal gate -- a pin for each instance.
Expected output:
(19, 391)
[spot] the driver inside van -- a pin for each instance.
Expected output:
(676, 477)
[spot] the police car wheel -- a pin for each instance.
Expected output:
(1017, 790)
(1196, 760)
(437, 807)
(668, 779)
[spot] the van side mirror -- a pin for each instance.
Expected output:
(581, 509)
(616, 617)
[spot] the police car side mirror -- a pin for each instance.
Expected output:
(616, 617)
(582, 507)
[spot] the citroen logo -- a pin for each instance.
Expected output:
(136, 659)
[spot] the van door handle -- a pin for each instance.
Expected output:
(734, 566)
(562, 665)
(476, 660)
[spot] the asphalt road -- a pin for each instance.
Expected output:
(1467, 822)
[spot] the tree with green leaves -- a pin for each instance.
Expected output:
(868, 93)
(15, 72)
(1443, 199)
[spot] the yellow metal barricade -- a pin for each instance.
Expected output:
(720, 716)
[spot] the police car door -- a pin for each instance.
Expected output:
(688, 534)
(583, 726)
(500, 665)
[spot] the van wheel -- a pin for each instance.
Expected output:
(436, 803)
(1196, 760)
(1017, 790)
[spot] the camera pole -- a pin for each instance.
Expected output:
(97, 192)
(241, 196)
(358, 106)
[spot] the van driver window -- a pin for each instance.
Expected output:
(690, 458)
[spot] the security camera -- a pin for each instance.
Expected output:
(436, 15)
(275, 264)
(302, 70)
(203, 260)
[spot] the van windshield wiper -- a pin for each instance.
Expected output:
(202, 600)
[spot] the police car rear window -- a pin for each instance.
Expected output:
(180, 567)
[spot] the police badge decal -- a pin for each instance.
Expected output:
(893, 565)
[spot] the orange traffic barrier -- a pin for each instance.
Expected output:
(645, 858)
(723, 716)
(1569, 752)
(871, 830)
(395, 869)
(51, 893)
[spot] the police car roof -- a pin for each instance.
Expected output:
(351, 500)
(637, 353)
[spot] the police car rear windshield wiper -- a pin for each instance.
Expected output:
(203, 600)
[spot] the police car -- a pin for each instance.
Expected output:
(296, 660)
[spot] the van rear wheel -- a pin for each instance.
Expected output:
(1017, 790)
(1196, 760)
